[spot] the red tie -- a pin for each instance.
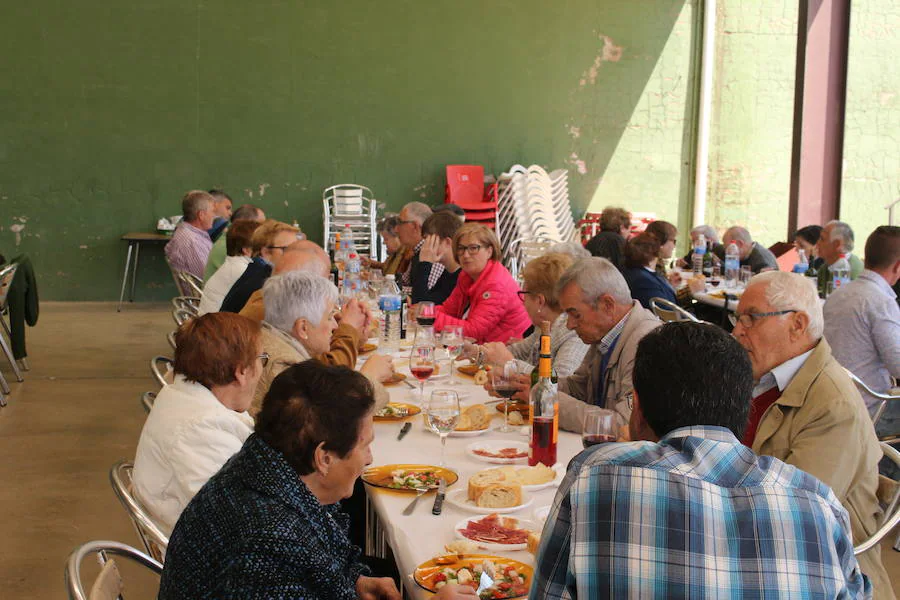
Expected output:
(758, 407)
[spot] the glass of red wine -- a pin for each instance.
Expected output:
(504, 381)
(716, 277)
(600, 426)
(425, 314)
(421, 365)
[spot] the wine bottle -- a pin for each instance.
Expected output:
(544, 413)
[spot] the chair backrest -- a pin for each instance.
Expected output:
(192, 285)
(155, 363)
(189, 303)
(884, 397)
(109, 583)
(147, 400)
(182, 316)
(151, 534)
(171, 339)
(7, 274)
(889, 491)
(668, 311)
(465, 184)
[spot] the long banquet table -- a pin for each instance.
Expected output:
(421, 536)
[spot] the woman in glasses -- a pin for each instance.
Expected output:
(200, 420)
(485, 301)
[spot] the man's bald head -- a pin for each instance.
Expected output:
(305, 256)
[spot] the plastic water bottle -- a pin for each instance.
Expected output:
(699, 253)
(348, 238)
(840, 273)
(802, 264)
(352, 282)
(732, 265)
(389, 302)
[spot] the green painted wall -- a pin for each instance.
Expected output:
(871, 166)
(110, 111)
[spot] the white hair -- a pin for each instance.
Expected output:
(418, 212)
(791, 291)
(297, 295)
(708, 232)
(573, 249)
(842, 231)
(596, 276)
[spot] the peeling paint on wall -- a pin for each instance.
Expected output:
(575, 132)
(17, 228)
(579, 164)
(262, 189)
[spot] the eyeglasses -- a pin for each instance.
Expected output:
(748, 320)
(469, 249)
(521, 294)
(264, 357)
(402, 222)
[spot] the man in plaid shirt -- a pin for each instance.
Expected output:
(691, 512)
(409, 230)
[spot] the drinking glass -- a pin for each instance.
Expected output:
(600, 426)
(746, 274)
(443, 415)
(503, 380)
(425, 314)
(453, 339)
(716, 278)
(421, 365)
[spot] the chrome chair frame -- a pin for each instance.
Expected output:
(891, 513)
(668, 311)
(148, 530)
(170, 337)
(103, 549)
(154, 368)
(884, 397)
(182, 316)
(188, 303)
(7, 274)
(147, 400)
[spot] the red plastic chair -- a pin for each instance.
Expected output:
(465, 188)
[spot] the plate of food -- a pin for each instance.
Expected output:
(490, 498)
(396, 411)
(497, 533)
(395, 379)
(499, 452)
(511, 578)
(531, 479)
(408, 478)
(469, 370)
(368, 347)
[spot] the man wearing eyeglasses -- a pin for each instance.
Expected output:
(409, 230)
(805, 409)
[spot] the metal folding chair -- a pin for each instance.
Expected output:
(890, 497)
(158, 373)
(108, 583)
(668, 311)
(170, 337)
(151, 534)
(182, 316)
(189, 303)
(885, 398)
(7, 274)
(147, 400)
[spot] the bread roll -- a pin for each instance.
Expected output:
(474, 418)
(482, 480)
(535, 475)
(500, 495)
(533, 542)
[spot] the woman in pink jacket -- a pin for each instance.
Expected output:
(485, 301)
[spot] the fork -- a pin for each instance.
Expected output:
(412, 505)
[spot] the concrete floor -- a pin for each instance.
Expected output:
(76, 414)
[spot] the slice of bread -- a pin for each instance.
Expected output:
(474, 418)
(500, 495)
(482, 480)
(533, 542)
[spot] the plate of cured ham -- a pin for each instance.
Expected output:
(497, 532)
(499, 452)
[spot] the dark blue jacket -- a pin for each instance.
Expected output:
(645, 285)
(254, 277)
(256, 531)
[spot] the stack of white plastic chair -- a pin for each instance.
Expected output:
(353, 205)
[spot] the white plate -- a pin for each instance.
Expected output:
(460, 499)
(475, 433)
(560, 473)
(494, 446)
(495, 547)
(541, 513)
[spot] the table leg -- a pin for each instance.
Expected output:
(124, 277)
(134, 272)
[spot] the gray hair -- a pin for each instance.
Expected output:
(843, 232)
(388, 224)
(791, 291)
(418, 211)
(297, 295)
(573, 249)
(193, 202)
(708, 231)
(738, 233)
(596, 276)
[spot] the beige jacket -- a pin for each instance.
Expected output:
(577, 391)
(820, 425)
(284, 351)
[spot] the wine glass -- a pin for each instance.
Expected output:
(425, 314)
(504, 380)
(452, 338)
(600, 426)
(716, 278)
(443, 415)
(421, 365)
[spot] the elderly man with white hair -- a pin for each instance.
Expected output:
(805, 409)
(300, 311)
(409, 230)
(835, 240)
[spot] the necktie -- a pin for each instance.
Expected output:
(758, 407)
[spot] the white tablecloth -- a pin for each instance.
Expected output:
(421, 536)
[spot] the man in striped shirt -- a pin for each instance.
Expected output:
(691, 512)
(190, 244)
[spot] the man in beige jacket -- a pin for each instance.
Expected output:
(595, 296)
(805, 409)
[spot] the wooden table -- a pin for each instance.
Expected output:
(419, 537)
(134, 243)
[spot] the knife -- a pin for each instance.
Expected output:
(404, 430)
(439, 498)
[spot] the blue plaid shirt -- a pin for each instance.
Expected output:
(697, 515)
